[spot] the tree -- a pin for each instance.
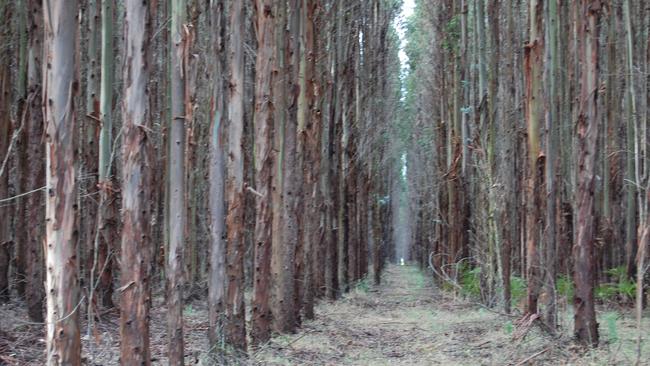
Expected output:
(552, 104)
(5, 137)
(135, 297)
(585, 325)
(59, 89)
(536, 159)
(287, 316)
(176, 172)
(311, 142)
(283, 253)
(264, 125)
(217, 271)
(105, 234)
(34, 292)
(234, 191)
(89, 149)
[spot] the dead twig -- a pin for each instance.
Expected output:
(522, 362)
(523, 326)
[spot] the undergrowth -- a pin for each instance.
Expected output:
(621, 289)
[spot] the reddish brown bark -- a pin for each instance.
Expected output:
(585, 325)
(533, 66)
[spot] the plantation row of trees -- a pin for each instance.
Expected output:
(526, 126)
(185, 144)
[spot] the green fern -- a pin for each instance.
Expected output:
(626, 289)
(617, 273)
(606, 292)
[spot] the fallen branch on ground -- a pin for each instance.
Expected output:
(522, 362)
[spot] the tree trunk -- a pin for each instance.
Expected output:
(177, 213)
(21, 159)
(632, 166)
(287, 318)
(34, 291)
(135, 294)
(106, 235)
(552, 104)
(59, 89)
(264, 124)
(327, 173)
(536, 159)
(312, 166)
(5, 136)
(586, 327)
(90, 146)
(217, 272)
(235, 190)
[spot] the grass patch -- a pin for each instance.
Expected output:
(611, 318)
(362, 285)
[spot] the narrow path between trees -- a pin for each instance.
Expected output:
(406, 321)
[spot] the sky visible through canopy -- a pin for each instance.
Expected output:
(407, 9)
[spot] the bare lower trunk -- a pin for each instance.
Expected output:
(311, 167)
(286, 319)
(261, 321)
(102, 264)
(62, 284)
(34, 292)
(536, 159)
(5, 136)
(177, 213)
(217, 268)
(235, 327)
(586, 327)
(135, 299)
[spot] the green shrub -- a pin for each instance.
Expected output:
(518, 289)
(617, 273)
(448, 286)
(565, 287)
(606, 292)
(623, 289)
(470, 280)
(626, 289)
(362, 285)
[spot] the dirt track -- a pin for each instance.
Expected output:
(405, 321)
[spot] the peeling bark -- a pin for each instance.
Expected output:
(217, 267)
(235, 311)
(135, 296)
(264, 124)
(59, 89)
(585, 325)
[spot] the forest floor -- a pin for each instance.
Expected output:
(404, 321)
